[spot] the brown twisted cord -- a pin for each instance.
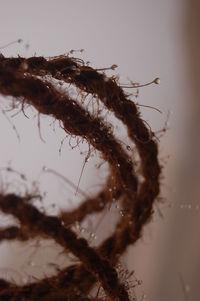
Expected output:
(114, 98)
(33, 221)
(59, 106)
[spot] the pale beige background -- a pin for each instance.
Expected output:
(145, 39)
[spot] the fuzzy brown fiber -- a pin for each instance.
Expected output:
(26, 79)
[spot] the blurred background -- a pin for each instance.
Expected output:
(146, 39)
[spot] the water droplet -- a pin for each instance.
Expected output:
(77, 225)
(189, 206)
(187, 288)
(157, 80)
(92, 235)
(82, 230)
(197, 207)
(24, 280)
(24, 65)
(42, 209)
(113, 67)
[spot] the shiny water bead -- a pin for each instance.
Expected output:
(77, 225)
(24, 280)
(42, 209)
(114, 66)
(157, 80)
(24, 66)
(82, 230)
(92, 235)
(32, 263)
(121, 213)
(187, 288)
(78, 71)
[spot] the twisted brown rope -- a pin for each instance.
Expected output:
(25, 80)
